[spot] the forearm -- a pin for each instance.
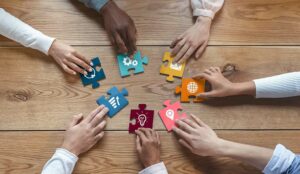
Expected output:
(62, 162)
(16, 30)
(253, 155)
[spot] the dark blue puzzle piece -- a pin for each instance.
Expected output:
(126, 63)
(116, 102)
(94, 76)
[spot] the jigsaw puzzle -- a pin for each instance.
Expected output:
(116, 102)
(94, 76)
(190, 88)
(126, 63)
(172, 70)
(170, 114)
(142, 117)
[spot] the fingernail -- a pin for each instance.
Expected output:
(74, 73)
(90, 69)
(91, 64)
(85, 73)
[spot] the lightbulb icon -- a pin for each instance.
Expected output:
(142, 119)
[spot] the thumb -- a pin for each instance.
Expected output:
(209, 94)
(76, 119)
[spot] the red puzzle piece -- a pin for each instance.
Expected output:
(170, 114)
(143, 118)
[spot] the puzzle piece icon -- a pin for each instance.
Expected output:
(172, 70)
(136, 64)
(143, 118)
(190, 88)
(170, 114)
(94, 76)
(116, 102)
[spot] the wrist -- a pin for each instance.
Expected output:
(70, 149)
(244, 88)
(224, 148)
(107, 7)
(204, 20)
(52, 48)
(151, 163)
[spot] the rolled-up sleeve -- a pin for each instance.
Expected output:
(94, 4)
(280, 162)
(206, 8)
(158, 168)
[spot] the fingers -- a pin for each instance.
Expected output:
(82, 61)
(187, 55)
(182, 134)
(198, 121)
(99, 136)
(209, 94)
(131, 44)
(180, 54)
(67, 69)
(158, 138)
(147, 132)
(185, 144)
(99, 128)
(99, 117)
(184, 126)
(138, 143)
(189, 122)
(141, 135)
(74, 67)
(90, 117)
(121, 48)
(200, 50)
(178, 47)
(76, 119)
(201, 76)
(174, 42)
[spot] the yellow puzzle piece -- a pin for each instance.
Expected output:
(172, 70)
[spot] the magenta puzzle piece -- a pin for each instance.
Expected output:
(143, 118)
(170, 114)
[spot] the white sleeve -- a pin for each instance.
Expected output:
(62, 162)
(206, 7)
(158, 168)
(284, 85)
(16, 30)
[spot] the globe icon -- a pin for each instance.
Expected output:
(192, 87)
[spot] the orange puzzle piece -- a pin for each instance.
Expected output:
(173, 70)
(190, 88)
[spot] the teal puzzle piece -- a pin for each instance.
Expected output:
(126, 63)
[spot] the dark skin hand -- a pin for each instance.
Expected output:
(120, 28)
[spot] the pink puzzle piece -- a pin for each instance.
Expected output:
(143, 118)
(170, 114)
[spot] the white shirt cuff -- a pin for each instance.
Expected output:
(158, 168)
(204, 12)
(281, 160)
(44, 43)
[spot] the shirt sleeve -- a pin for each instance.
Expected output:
(280, 162)
(158, 168)
(206, 7)
(284, 85)
(94, 4)
(18, 31)
(295, 167)
(62, 162)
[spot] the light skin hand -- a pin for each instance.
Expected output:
(83, 133)
(148, 146)
(200, 139)
(222, 87)
(192, 41)
(120, 28)
(69, 59)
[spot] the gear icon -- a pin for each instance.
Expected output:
(127, 61)
(134, 63)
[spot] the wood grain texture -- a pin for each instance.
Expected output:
(27, 152)
(241, 22)
(36, 95)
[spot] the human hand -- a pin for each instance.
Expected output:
(69, 59)
(83, 133)
(148, 146)
(193, 40)
(222, 87)
(198, 137)
(120, 28)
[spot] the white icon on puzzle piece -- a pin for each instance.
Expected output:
(170, 114)
(142, 119)
(92, 74)
(175, 66)
(127, 61)
(192, 87)
(114, 102)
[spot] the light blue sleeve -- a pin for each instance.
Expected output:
(281, 161)
(295, 167)
(94, 4)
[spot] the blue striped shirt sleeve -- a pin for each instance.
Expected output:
(94, 4)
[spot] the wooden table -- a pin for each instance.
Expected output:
(37, 99)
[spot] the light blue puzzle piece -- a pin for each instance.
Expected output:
(126, 63)
(116, 102)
